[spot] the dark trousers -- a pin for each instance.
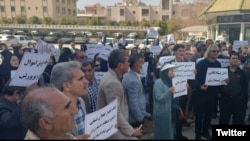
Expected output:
(231, 106)
(203, 112)
(179, 123)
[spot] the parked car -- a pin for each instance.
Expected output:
(68, 38)
(52, 37)
(145, 42)
(7, 40)
(24, 40)
(35, 35)
(81, 38)
(130, 43)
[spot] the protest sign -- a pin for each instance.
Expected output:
(216, 76)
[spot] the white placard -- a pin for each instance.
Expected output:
(30, 69)
(44, 47)
(155, 50)
(13, 73)
(144, 69)
(185, 70)
(237, 44)
(224, 62)
(98, 77)
(165, 59)
(105, 51)
(180, 85)
(152, 33)
(168, 38)
(216, 76)
(93, 49)
(101, 123)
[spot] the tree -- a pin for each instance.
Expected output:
(124, 23)
(65, 21)
(111, 23)
(144, 22)
(162, 25)
(173, 25)
(94, 21)
(20, 19)
(34, 20)
(7, 20)
(47, 20)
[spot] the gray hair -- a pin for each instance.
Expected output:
(32, 111)
(208, 50)
(61, 73)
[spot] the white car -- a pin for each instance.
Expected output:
(130, 42)
(24, 40)
(7, 40)
(144, 44)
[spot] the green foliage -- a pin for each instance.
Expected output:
(173, 25)
(144, 22)
(94, 21)
(20, 19)
(34, 20)
(124, 23)
(6, 21)
(163, 26)
(111, 23)
(48, 20)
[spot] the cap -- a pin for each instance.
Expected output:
(167, 66)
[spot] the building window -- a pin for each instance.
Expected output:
(165, 17)
(156, 12)
(57, 0)
(28, 8)
(58, 9)
(44, 0)
(165, 4)
(45, 9)
(68, 2)
(63, 1)
(36, 8)
(173, 12)
(69, 11)
(74, 12)
(247, 31)
(121, 12)
(22, 8)
(63, 10)
(12, 8)
(109, 12)
(133, 12)
(2, 9)
(145, 12)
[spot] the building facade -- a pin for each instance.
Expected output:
(233, 18)
(56, 9)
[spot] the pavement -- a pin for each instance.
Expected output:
(186, 131)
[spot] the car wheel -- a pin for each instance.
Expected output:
(3, 46)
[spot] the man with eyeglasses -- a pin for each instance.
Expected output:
(80, 56)
(206, 95)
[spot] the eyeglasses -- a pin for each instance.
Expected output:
(125, 61)
(83, 57)
(215, 51)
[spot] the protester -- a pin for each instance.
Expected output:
(48, 114)
(164, 124)
(91, 98)
(134, 91)
(205, 96)
(69, 78)
(233, 94)
(10, 113)
(111, 88)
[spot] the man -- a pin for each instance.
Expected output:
(122, 42)
(69, 78)
(134, 91)
(59, 50)
(48, 114)
(181, 101)
(233, 94)
(205, 96)
(10, 124)
(80, 56)
(111, 88)
(88, 69)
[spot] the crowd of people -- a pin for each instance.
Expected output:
(56, 105)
